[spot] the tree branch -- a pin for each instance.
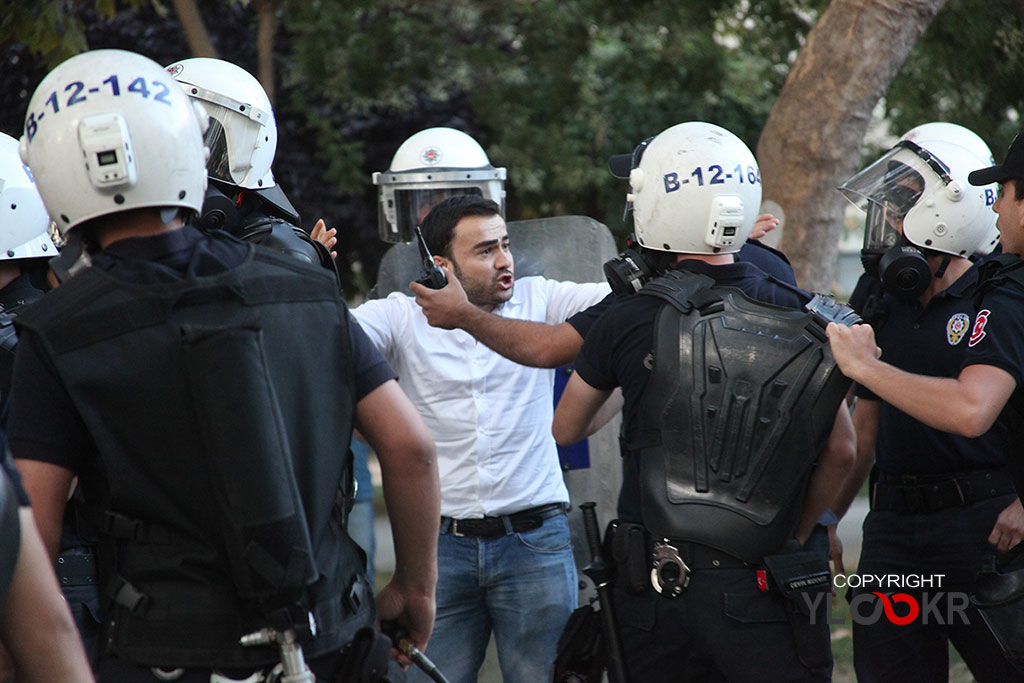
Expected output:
(265, 46)
(195, 30)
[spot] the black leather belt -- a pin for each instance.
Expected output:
(930, 493)
(490, 527)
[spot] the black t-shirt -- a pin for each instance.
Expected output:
(931, 340)
(997, 339)
(770, 261)
(997, 336)
(618, 347)
(43, 422)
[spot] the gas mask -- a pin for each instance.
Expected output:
(890, 191)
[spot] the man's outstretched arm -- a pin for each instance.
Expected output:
(526, 342)
(967, 405)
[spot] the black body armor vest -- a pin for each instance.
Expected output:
(218, 469)
(741, 399)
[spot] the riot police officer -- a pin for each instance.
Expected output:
(718, 490)
(25, 251)
(25, 247)
(429, 167)
(181, 378)
(242, 196)
(935, 497)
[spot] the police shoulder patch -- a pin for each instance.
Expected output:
(956, 327)
(978, 333)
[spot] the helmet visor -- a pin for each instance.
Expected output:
(218, 165)
(886, 191)
(412, 205)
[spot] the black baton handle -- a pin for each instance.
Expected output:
(599, 573)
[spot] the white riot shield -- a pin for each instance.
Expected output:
(572, 248)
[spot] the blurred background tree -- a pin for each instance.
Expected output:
(550, 88)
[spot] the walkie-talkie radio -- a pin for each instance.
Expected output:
(431, 276)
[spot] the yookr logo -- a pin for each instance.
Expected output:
(942, 608)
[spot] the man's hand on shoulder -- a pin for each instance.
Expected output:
(853, 347)
(326, 237)
(447, 307)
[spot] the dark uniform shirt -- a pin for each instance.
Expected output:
(618, 347)
(934, 341)
(997, 338)
(771, 261)
(44, 424)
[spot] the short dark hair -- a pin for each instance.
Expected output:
(438, 226)
(1018, 189)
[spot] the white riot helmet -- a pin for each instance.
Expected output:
(694, 189)
(108, 131)
(942, 131)
(428, 167)
(916, 196)
(24, 223)
(242, 136)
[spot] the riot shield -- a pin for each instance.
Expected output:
(572, 248)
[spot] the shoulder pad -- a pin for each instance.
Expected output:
(682, 289)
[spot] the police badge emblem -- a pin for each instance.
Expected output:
(956, 327)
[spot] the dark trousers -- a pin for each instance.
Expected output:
(721, 628)
(952, 542)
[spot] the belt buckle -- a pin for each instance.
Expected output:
(455, 529)
(669, 573)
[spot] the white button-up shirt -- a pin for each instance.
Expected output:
(490, 417)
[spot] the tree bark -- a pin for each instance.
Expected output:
(195, 30)
(265, 46)
(812, 140)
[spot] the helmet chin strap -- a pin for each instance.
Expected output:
(946, 258)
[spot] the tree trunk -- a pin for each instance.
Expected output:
(811, 143)
(265, 46)
(195, 30)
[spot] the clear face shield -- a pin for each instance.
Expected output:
(405, 198)
(887, 191)
(230, 150)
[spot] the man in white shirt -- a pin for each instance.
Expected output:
(505, 562)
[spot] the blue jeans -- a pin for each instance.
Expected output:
(521, 585)
(360, 528)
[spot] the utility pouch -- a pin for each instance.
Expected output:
(249, 461)
(580, 656)
(999, 597)
(804, 579)
(629, 552)
(366, 659)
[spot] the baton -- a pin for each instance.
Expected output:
(399, 637)
(600, 574)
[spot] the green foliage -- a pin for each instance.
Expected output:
(48, 27)
(53, 29)
(553, 87)
(967, 69)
